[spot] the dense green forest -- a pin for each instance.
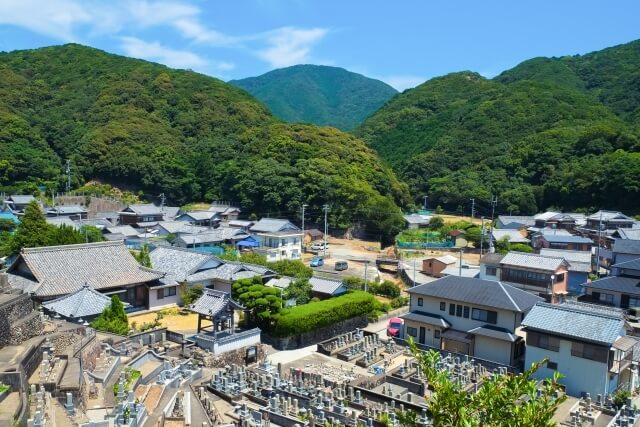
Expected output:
(552, 132)
(322, 95)
(143, 126)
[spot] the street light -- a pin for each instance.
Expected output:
(553, 278)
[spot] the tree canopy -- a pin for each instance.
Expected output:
(113, 318)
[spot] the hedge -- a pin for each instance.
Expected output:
(307, 317)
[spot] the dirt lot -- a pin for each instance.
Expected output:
(174, 322)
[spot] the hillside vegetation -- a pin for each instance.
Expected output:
(322, 95)
(143, 126)
(552, 132)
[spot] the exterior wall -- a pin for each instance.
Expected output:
(558, 287)
(618, 258)
(580, 375)
(576, 278)
(485, 276)
(277, 248)
(430, 331)
(155, 302)
(492, 349)
(433, 267)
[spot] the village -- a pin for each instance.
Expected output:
(265, 322)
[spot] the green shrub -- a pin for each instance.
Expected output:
(399, 302)
(304, 318)
(113, 319)
(131, 375)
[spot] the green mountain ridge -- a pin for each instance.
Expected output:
(318, 94)
(144, 126)
(551, 132)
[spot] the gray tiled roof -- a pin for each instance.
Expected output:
(223, 208)
(539, 262)
(514, 236)
(578, 260)
(175, 227)
(21, 199)
(180, 263)
(272, 225)
(428, 318)
(145, 209)
(624, 284)
(629, 233)
(626, 246)
(282, 282)
(95, 222)
(492, 259)
(585, 322)
(199, 215)
(327, 286)
(61, 270)
(125, 230)
(170, 212)
(82, 303)
(240, 223)
(213, 302)
(608, 216)
(510, 219)
(213, 236)
(494, 332)
(59, 221)
(72, 209)
(561, 238)
(634, 264)
(231, 271)
(488, 293)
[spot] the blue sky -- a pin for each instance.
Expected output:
(403, 43)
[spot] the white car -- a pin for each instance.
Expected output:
(318, 246)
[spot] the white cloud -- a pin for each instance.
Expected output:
(403, 82)
(154, 51)
(289, 45)
(150, 14)
(192, 29)
(55, 19)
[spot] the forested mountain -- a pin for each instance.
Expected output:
(143, 126)
(326, 96)
(552, 132)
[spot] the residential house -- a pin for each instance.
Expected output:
(99, 223)
(415, 221)
(459, 238)
(279, 239)
(543, 275)
(202, 218)
(490, 266)
(113, 217)
(554, 220)
(18, 202)
(513, 236)
(51, 272)
(625, 250)
(196, 268)
(586, 343)
(433, 266)
(627, 233)
(243, 225)
(469, 316)
(211, 237)
(126, 231)
(141, 216)
(608, 220)
(579, 267)
(226, 211)
(169, 213)
(166, 228)
(326, 288)
(551, 240)
(74, 212)
(62, 220)
(312, 235)
(514, 222)
(83, 304)
(464, 271)
(621, 289)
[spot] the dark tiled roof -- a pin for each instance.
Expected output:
(494, 332)
(628, 285)
(61, 270)
(535, 261)
(82, 303)
(213, 302)
(180, 263)
(428, 318)
(560, 238)
(626, 246)
(492, 259)
(634, 264)
(271, 225)
(488, 293)
(326, 286)
(585, 322)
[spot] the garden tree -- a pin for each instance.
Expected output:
(436, 222)
(291, 268)
(262, 301)
(190, 294)
(142, 256)
(474, 235)
(7, 225)
(501, 401)
(300, 289)
(113, 318)
(91, 234)
(253, 258)
(504, 246)
(33, 230)
(353, 283)
(388, 288)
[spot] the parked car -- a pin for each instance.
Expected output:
(317, 261)
(318, 246)
(341, 265)
(394, 328)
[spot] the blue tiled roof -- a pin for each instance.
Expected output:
(560, 238)
(585, 322)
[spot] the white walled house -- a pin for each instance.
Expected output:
(586, 343)
(279, 239)
(469, 316)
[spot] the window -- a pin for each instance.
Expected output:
(459, 311)
(466, 312)
(559, 277)
(412, 331)
(589, 351)
(634, 302)
(166, 292)
(484, 315)
(606, 298)
(545, 341)
(492, 271)
(420, 302)
(552, 365)
(452, 309)
(443, 306)
(436, 334)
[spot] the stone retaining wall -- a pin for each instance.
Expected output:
(18, 320)
(317, 335)
(28, 327)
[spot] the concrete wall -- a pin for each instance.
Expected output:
(485, 276)
(492, 349)
(580, 375)
(157, 303)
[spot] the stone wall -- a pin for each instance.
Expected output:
(90, 353)
(237, 357)
(18, 320)
(317, 335)
(28, 327)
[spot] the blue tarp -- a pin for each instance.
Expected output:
(248, 243)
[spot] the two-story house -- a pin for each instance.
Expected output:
(74, 212)
(580, 265)
(608, 220)
(279, 239)
(18, 202)
(226, 211)
(141, 216)
(555, 220)
(586, 343)
(469, 316)
(511, 222)
(625, 250)
(546, 276)
(552, 240)
(621, 289)
(202, 218)
(434, 266)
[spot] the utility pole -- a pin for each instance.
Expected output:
(162, 200)
(325, 208)
(366, 264)
(414, 272)
(68, 172)
(304, 205)
(599, 240)
(481, 236)
(425, 201)
(460, 264)
(473, 208)
(494, 202)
